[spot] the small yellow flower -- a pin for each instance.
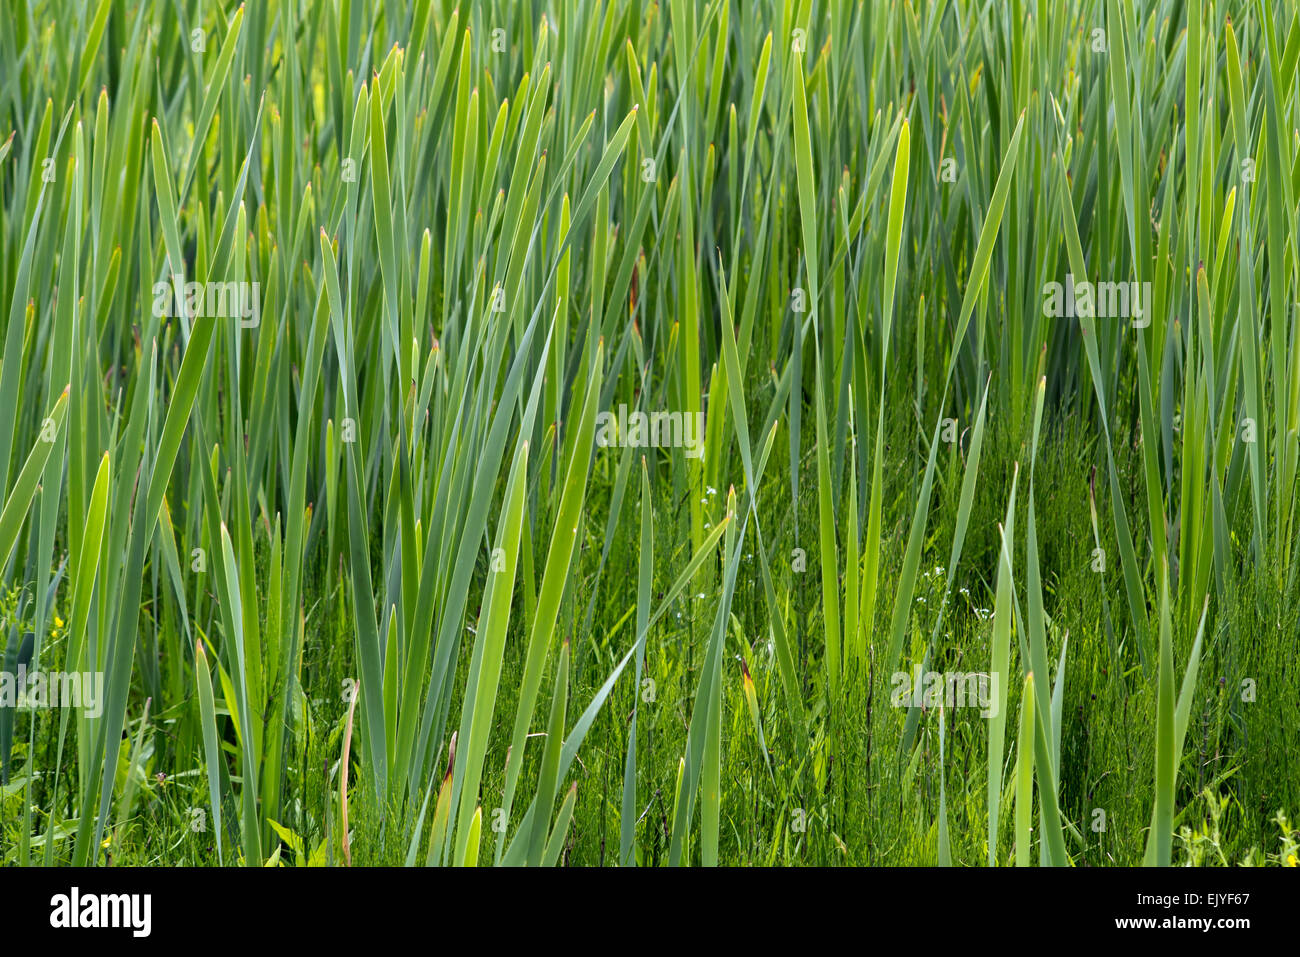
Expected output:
(1290, 860)
(58, 622)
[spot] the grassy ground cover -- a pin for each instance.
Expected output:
(702, 432)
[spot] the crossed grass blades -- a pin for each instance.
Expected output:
(362, 585)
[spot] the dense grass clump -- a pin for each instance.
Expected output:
(607, 433)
